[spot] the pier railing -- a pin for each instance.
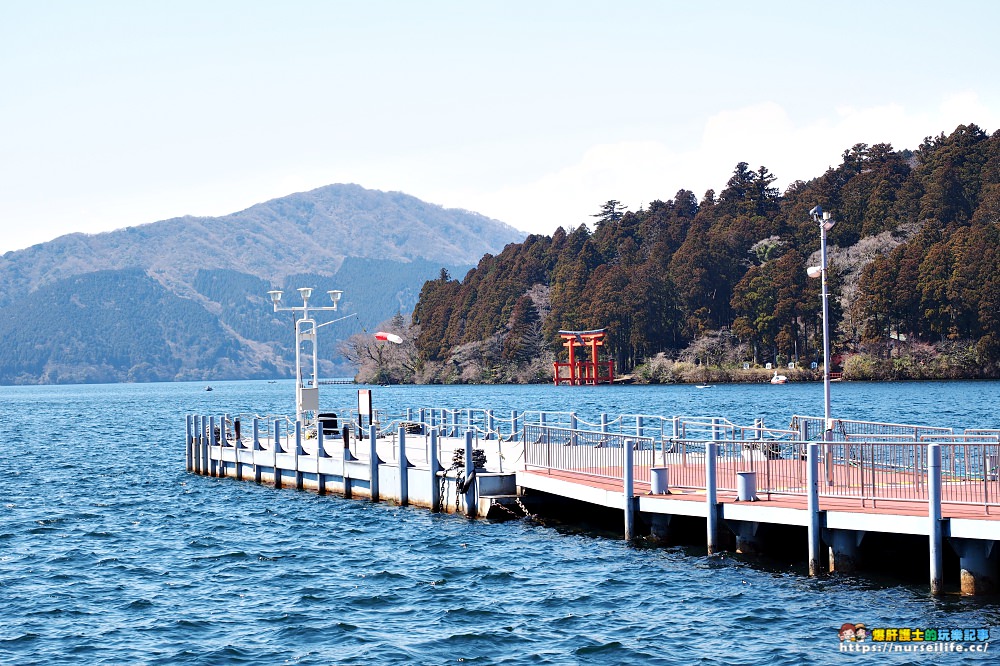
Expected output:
(592, 453)
(812, 428)
(870, 468)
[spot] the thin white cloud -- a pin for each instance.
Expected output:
(636, 173)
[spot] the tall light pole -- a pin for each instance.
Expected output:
(306, 391)
(825, 224)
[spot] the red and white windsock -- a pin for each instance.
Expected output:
(388, 337)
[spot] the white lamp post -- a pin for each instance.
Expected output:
(825, 224)
(306, 391)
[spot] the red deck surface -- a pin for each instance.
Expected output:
(796, 498)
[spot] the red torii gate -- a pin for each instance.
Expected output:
(583, 372)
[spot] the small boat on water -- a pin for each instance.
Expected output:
(703, 385)
(778, 379)
(208, 388)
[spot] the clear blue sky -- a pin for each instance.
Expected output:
(115, 114)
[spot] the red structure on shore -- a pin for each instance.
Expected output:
(576, 372)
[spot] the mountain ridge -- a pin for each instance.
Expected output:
(381, 245)
(274, 239)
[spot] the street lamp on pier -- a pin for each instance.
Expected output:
(825, 222)
(306, 390)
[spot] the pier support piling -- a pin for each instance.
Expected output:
(711, 498)
(320, 453)
(659, 527)
(470, 470)
(205, 441)
(435, 471)
(299, 451)
(256, 447)
(404, 476)
(812, 505)
(845, 550)
(628, 492)
(373, 462)
(978, 560)
(934, 515)
(213, 440)
(187, 442)
(746, 536)
(276, 446)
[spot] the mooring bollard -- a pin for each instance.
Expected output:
(746, 487)
(659, 480)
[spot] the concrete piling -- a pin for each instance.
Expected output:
(812, 506)
(711, 498)
(628, 491)
(435, 472)
(978, 566)
(404, 476)
(213, 441)
(934, 515)
(373, 462)
(470, 469)
(845, 550)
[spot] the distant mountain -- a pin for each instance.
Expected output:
(186, 298)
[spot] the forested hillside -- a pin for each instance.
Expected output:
(123, 325)
(186, 298)
(915, 271)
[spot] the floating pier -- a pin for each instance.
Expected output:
(840, 482)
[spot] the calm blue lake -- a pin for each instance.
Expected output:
(110, 553)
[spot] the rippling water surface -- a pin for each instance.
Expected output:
(111, 553)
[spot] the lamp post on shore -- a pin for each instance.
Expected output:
(825, 224)
(306, 390)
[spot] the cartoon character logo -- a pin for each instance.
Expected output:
(847, 634)
(860, 632)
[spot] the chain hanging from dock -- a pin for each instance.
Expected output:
(458, 464)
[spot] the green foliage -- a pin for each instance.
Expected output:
(659, 278)
(98, 328)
